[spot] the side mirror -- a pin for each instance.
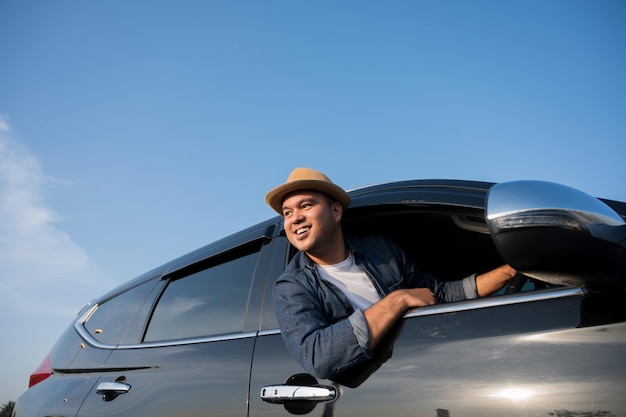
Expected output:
(557, 234)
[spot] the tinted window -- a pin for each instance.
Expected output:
(209, 302)
(109, 321)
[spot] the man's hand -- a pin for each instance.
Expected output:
(417, 297)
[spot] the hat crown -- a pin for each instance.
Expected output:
(307, 174)
(305, 179)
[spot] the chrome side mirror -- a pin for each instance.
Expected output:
(557, 234)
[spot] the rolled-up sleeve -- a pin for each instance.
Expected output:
(469, 286)
(360, 328)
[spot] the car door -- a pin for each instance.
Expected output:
(552, 352)
(191, 352)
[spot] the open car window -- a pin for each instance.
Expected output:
(450, 245)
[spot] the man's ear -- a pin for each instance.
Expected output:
(337, 209)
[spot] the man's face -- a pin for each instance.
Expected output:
(311, 221)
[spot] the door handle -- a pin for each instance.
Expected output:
(282, 393)
(110, 390)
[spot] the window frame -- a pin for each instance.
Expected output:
(259, 236)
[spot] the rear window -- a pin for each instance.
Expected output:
(210, 302)
(109, 322)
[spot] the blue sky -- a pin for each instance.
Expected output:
(134, 132)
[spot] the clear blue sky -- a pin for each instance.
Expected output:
(134, 132)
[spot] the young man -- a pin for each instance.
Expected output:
(340, 296)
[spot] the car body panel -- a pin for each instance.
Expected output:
(60, 395)
(192, 379)
(76, 369)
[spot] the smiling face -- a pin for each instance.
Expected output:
(313, 225)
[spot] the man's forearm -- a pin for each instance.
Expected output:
(492, 281)
(382, 316)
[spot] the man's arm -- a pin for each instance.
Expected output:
(384, 314)
(492, 281)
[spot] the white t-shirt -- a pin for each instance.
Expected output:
(352, 280)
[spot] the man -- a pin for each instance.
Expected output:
(340, 296)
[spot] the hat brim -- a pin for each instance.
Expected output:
(274, 198)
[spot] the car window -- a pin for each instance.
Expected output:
(210, 302)
(109, 322)
(448, 245)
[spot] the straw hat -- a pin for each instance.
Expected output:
(305, 179)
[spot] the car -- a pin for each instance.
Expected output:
(198, 336)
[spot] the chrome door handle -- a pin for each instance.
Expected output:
(110, 390)
(112, 387)
(280, 394)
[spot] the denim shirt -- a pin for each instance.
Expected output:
(322, 330)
